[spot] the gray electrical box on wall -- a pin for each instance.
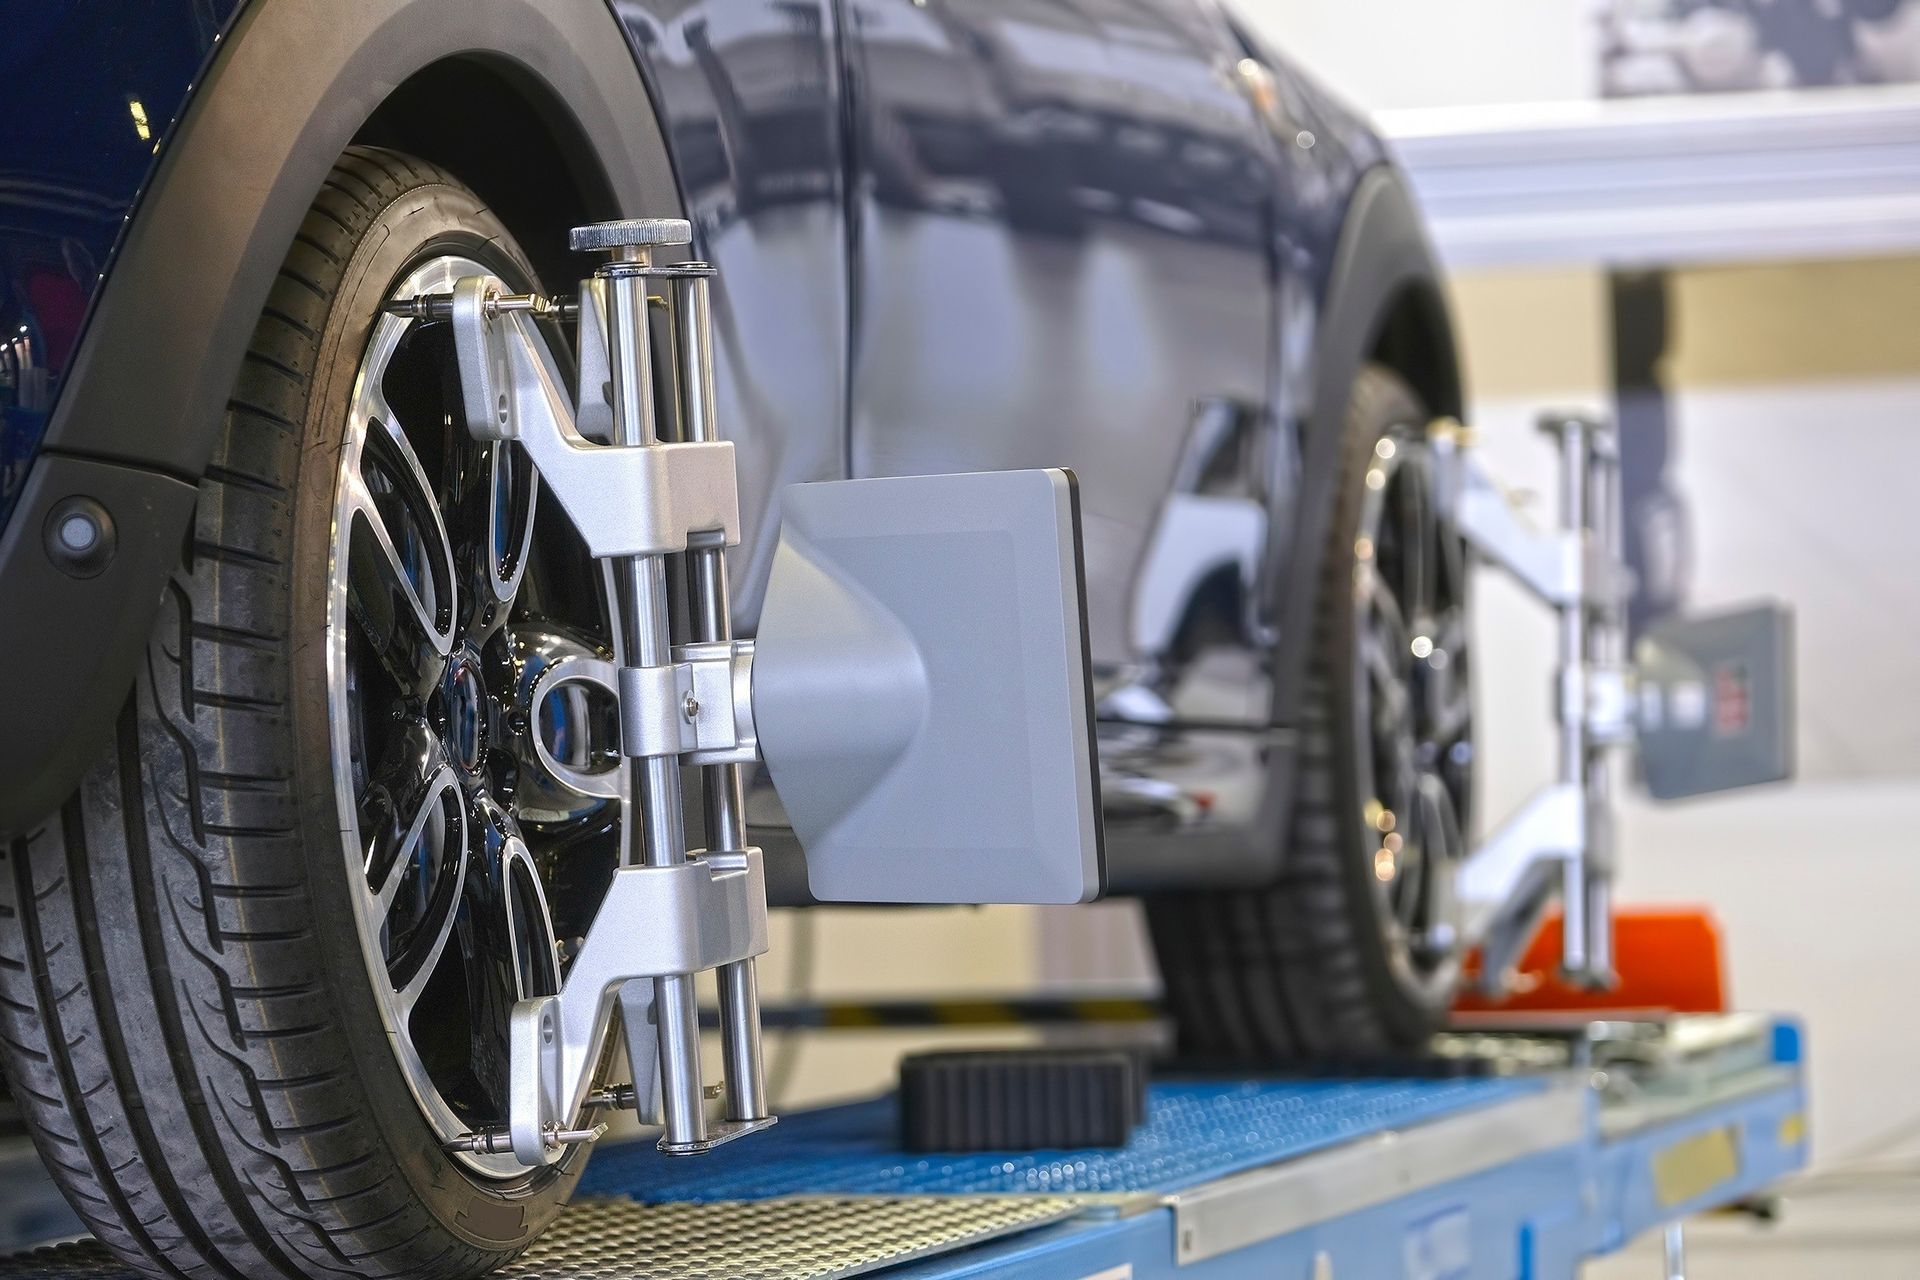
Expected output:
(954, 762)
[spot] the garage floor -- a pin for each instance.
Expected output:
(1866, 1229)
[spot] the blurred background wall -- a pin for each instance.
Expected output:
(1794, 391)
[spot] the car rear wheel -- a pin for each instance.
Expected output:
(1354, 952)
(256, 974)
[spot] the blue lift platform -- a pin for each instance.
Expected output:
(1554, 1149)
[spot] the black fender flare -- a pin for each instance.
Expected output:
(289, 89)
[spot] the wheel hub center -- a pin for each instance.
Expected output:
(466, 701)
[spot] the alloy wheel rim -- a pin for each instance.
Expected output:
(452, 822)
(1413, 705)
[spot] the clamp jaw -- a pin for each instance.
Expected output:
(671, 912)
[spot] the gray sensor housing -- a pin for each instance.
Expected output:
(921, 689)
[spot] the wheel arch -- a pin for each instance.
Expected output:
(509, 136)
(292, 86)
(289, 91)
(1385, 303)
(1415, 340)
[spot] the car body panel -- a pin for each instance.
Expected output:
(959, 234)
(749, 97)
(1063, 226)
(1076, 280)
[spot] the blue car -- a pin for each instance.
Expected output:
(258, 936)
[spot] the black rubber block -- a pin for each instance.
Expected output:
(1021, 1099)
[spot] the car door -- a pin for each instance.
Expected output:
(1059, 214)
(749, 94)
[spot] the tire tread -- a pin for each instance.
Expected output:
(163, 1021)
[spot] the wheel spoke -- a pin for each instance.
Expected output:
(492, 500)
(1384, 615)
(410, 978)
(493, 495)
(1418, 539)
(400, 562)
(1391, 702)
(1452, 714)
(414, 798)
(1403, 772)
(513, 490)
(1450, 633)
(507, 942)
(1409, 881)
(514, 937)
(1446, 714)
(1453, 562)
(1432, 843)
(1440, 833)
(1384, 656)
(410, 971)
(536, 970)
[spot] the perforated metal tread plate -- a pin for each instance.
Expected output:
(1196, 1131)
(800, 1238)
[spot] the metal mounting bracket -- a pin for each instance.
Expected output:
(1730, 674)
(699, 708)
(919, 691)
(625, 499)
(1562, 838)
(635, 499)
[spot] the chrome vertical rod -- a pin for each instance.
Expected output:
(647, 641)
(722, 787)
(1573, 633)
(631, 374)
(1676, 1251)
(1607, 649)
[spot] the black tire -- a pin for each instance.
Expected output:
(1310, 968)
(188, 1019)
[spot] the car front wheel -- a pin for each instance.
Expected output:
(255, 976)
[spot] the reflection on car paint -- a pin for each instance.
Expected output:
(71, 165)
(951, 236)
(1058, 233)
(749, 95)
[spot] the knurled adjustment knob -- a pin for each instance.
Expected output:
(631, 233)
